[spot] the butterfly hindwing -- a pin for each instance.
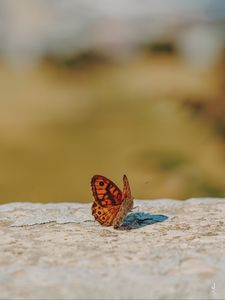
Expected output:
(104, 215)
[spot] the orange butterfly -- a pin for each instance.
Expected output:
(110, 205)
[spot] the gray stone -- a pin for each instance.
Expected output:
(166, 249)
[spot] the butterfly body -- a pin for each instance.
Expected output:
(110, 205)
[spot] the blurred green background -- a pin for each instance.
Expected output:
(112, 88)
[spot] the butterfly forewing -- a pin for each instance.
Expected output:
(105, 192)
(126, 188)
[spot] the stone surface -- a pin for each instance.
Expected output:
(166, 249)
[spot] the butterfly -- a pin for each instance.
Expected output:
(110, 205)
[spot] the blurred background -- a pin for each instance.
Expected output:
(111, 87)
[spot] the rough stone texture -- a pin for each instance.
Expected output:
(58, 251)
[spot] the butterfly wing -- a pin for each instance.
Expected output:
(126, 205)
(104, 215)
(107, 199)
(126, 188)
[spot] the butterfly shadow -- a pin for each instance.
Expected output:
(140, 219)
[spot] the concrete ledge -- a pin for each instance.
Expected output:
(175, 250)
